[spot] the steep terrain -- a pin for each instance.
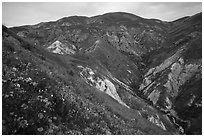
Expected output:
(115, 73)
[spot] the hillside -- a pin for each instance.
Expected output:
(115, 73)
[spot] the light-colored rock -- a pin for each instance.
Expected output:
(129, 71)
(59, 48)
(179, 73)
(66, 24)
(100, 83)
(154, 96)
(156, 121)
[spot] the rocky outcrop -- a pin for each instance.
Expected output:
(59, 48)
(180, 73)
(152, 77)
(101, 83)
(162, 85)
(155, 119)
(162, 82)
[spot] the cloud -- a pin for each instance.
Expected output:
(15, 14)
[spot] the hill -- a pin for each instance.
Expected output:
(115, 73)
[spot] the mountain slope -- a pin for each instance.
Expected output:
(115, 73)
(164, 81)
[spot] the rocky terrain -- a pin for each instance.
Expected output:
(115, 73)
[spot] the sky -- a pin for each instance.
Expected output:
(30, 13)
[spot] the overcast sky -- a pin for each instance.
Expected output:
(16, 14)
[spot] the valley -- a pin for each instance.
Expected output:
(115, 74)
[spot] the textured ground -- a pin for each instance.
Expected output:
(115, 73)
